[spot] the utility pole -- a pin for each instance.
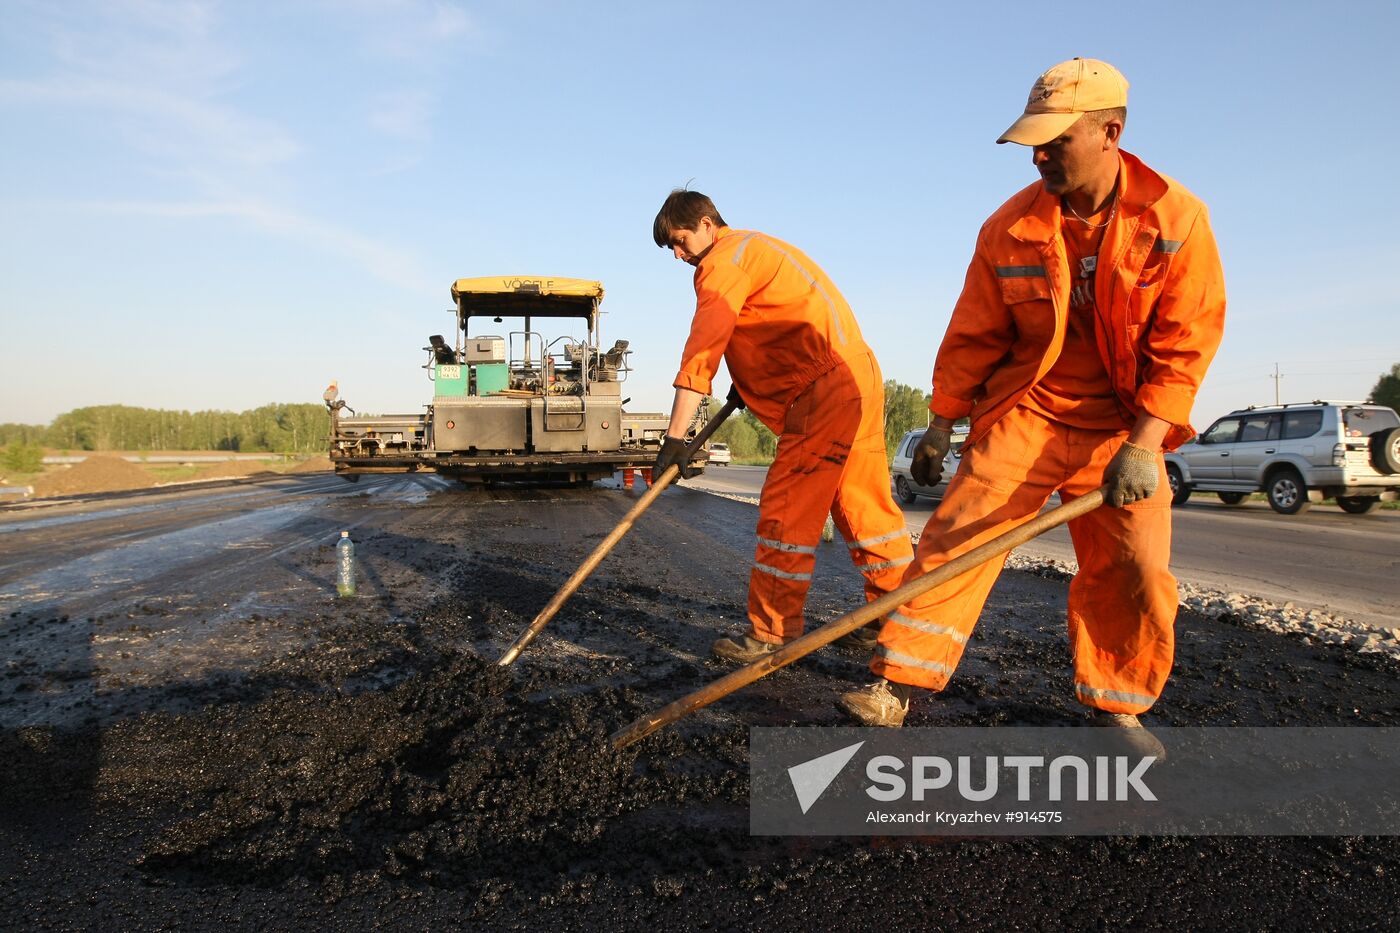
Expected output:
(1277, 377)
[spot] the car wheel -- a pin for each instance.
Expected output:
(1385, 451)
(1358, 505)
(901, 486)
(1181, 490)
(1288, 494)
(1232, 498)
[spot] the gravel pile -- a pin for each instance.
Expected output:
(1312, 625)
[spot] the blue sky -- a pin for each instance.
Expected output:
(221, 205)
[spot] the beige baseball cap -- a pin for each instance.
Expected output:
(1062, 95)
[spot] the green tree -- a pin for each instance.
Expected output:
(747, 437)
(23, 458)
(905, 408)
(22, 433)
(1387, 390)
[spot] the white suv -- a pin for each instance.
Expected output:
(1296, 454)
(719, 454)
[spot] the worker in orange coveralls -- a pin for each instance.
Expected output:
(799, 363)
(1092, 307)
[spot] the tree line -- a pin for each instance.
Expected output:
(299, 428)
(303, 428)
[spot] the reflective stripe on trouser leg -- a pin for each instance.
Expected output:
(1123, 601)
(797, 496)
(1003, 480)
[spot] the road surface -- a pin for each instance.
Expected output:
(1321, 559)
(196, 733)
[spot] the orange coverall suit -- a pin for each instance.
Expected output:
(1158, 312)
(797, 357)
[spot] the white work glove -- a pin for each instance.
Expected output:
(1131, 475)
(927, 465)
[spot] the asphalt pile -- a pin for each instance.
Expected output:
(456, 777)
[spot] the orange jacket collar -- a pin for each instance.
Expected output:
(720, 234)
(1138, 189)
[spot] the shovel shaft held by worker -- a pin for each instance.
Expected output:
(806, 644)
(659, 484)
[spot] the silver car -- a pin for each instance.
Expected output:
(904, 485)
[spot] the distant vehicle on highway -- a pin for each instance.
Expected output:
(904, 485)
(719, 454)
(1296, 454)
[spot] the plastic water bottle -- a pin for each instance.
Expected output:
(345, 565)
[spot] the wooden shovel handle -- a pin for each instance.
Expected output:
(806, 644)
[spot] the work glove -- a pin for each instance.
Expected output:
(1131, 475)
(673, 450)
(927, 466)
(734, 397)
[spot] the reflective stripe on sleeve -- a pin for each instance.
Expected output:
(784, 546)
(743, 244)
(932, 628)
(812, 281)
(1116, 696)
(780, 574)
(1019, 272)
(904, 660)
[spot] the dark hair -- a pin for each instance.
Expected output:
(682, 210)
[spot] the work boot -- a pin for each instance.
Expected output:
(882, 703)
(743, 649)
(862, 639)
(1133, 735)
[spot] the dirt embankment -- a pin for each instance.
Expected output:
(111, 472)
(313, 465)
(98, 473)
(232, 469)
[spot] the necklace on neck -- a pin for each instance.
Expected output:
(1085, 221)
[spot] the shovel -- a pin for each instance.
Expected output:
(806, 644)
(659, 483)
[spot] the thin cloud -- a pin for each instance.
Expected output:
(416, 31)
(386, 263)
(405, 114)
(160, 122)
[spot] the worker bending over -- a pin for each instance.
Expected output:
(799, 363)
(1092, 307)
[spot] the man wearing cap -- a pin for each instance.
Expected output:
(1093, 305)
